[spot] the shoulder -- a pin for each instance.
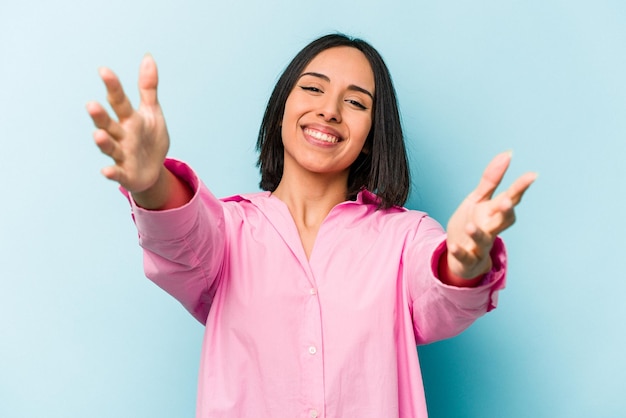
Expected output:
(255, 208)
(365, 209)
(246, 197)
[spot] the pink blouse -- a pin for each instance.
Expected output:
(330, 336)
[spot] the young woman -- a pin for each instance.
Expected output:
(316, 291)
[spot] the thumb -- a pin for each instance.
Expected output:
(148, 81)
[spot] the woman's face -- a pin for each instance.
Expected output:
(328, 114)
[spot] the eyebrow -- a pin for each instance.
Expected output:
(350, 87)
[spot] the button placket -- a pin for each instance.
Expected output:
(312, 346)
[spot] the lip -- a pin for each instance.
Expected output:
(323, 129)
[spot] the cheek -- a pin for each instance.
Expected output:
(295, 107)
(284, 122)
(365, 129)
(289, 113)
(286, 127)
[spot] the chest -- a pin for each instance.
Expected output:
(348, 273)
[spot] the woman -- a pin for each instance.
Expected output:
(315, 292)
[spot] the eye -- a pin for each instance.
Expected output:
(356, 104)
(311, 89)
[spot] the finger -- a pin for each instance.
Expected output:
(148, 81)
(500, 222)
(499, 216)
(491, 178)
(108, 145)
(112, 173)
(102, 120)
(501, 212)
(467, 258)
(115, 94)
(480, 237)
(519, 187)
(500, 204)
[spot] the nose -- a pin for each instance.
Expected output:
(330, 110)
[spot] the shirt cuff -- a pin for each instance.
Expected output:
(171, 223)
(486, 291)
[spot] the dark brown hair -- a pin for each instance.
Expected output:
(383, 169)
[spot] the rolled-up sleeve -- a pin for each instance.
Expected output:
(184, 247)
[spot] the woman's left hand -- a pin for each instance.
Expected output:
(474, 226)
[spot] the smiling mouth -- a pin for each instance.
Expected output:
(321, 136)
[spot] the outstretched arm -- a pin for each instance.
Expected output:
(476, 223)
(137, 141)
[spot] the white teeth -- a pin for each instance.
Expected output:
(331, 139)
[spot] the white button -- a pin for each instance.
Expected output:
(312, 350)
(313, 291)
(313, 413)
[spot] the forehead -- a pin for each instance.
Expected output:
(343, 64)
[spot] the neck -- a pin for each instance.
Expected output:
(310, 197)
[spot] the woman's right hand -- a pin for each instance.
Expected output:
(138, 140)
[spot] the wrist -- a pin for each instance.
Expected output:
(449, 277)
(168, 192)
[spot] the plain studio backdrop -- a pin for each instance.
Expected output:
(84, 334)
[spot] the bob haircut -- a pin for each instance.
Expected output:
(382, 168)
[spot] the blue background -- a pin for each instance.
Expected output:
(83, 334)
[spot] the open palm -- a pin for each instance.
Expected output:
(138, 140)
(474, 226)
